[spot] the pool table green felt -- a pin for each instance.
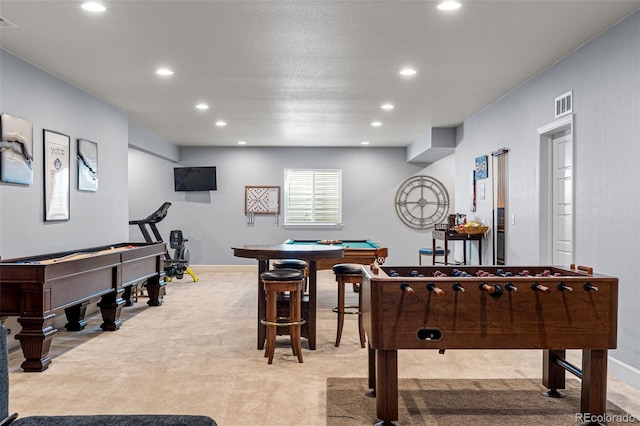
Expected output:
(362, 252)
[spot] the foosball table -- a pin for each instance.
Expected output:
(537, 307)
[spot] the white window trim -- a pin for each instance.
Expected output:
(307, 225)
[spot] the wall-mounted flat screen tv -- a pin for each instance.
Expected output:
(195, 178)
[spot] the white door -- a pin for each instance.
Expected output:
(562, 198)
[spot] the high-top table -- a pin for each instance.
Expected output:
(447, 235)
(310, 253)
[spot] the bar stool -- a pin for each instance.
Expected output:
(292, 264)
(348, 273)
(289, 264)
(275, 282)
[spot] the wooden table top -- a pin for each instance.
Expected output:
(288, 251)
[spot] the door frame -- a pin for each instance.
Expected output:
(545, 187)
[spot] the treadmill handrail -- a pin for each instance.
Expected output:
(154, 217)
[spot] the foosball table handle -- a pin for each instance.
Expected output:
(541, 288)
(406, 288)
(587, 269)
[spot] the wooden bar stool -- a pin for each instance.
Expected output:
(348, 273)
(275, 282)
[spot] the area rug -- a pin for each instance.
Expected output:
(459, 402)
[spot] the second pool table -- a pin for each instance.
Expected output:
(363, 252)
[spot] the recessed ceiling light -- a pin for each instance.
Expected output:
(376, 123)
(242, 142)
(364, 143)
(221, 123)
(202, 106)
(387, 107)
(449, 5)
(164, 71)
(93, 7)
(408, 72)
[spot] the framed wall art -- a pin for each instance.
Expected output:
(262, 199)
(56, 175)
(482, 167)
(87, 165)
(16, 148)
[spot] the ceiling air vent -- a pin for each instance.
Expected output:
(564, 104)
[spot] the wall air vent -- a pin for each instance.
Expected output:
(5, 23)
(564, 104)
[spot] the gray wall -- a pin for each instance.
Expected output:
(605, 78)
(97, 218)
(214, 221)
(604, 75)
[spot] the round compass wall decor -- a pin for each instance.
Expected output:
(421, 202)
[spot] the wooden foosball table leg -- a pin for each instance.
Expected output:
(387, 385)
(593, 398)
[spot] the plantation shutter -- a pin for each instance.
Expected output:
(313, 197)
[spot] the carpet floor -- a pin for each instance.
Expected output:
(482, 402)
(196, 354)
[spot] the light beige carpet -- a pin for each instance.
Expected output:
(457, 402)
(197, 354)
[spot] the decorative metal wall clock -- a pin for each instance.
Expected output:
(421, 202)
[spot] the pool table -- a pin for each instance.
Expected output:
(363, 252)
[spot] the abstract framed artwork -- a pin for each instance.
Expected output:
(482, 167)
(56, 175)
(16, 148)
(87, 165)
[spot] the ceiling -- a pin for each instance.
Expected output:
(300, 73)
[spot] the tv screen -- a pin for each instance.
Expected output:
(195, 178)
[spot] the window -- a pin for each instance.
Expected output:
(313, 197)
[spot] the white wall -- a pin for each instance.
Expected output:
(605, 78)
(215, 221)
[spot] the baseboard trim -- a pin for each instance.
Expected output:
(225, 268)
(624, 372)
